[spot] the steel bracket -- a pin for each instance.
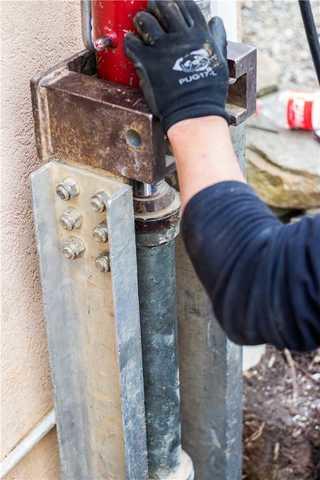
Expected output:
(101, 124)
(90, 295)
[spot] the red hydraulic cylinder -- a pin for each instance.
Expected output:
(111, 20)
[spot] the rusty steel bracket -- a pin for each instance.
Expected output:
(90, 121)
(242, 61)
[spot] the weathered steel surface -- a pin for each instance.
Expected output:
(95, 122)
(93, 328)
(210, 374)
(156, 229)
(242, 62)
(102, 124)
(156, 273)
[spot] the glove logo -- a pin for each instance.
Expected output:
(196, 61)
(199, 63)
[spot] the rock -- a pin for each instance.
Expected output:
(284, 168)
(268, 73)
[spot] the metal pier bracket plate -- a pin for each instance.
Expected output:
(89, 281)
(210, 373)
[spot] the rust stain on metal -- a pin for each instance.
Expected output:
(83, 119)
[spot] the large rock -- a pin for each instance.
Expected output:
(284, 168)
(268, 73)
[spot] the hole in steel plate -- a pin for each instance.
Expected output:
(133, 138)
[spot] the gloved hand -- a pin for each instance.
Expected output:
(181, 61)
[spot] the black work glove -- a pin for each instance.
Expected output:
(181, 61)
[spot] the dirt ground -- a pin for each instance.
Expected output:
(282, 394)
(282, 417)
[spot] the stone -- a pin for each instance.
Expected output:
(284, 168)
(268, 73)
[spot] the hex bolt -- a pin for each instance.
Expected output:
(71, 219)
(98, 202)
(103, 262)
(102, 43)
(67, 189)
(73, 248)
(100, 233)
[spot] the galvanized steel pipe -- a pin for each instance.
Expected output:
(157, 297)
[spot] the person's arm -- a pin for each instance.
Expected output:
(204, 154)
(262, 277)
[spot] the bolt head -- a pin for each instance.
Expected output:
(103, 263)
(98, 202)
(73, 248)
(67, 189)
(100, 233)
(71, 219)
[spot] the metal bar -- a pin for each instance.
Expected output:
(27, 443)
(311, 33)
(86, 24)
(157, 214)
(210, 373)
(94, 122)
(92, 316)
(158, 325)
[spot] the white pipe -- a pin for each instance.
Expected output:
(27, 444)
(228, 11)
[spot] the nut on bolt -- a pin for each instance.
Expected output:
(103, 262)
(100, 233)
(67, 189)
(71, 219)
(73, 248)
(98, 202)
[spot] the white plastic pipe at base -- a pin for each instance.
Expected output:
(27, 444)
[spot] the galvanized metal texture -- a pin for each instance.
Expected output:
(210, 375)
(156, 274)
(156, 229)
(86, 25)
(106, 125)
(93, 326)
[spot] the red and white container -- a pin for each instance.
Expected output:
(292, 109)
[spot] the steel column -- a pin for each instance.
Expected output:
(210, 373)
(156, 230)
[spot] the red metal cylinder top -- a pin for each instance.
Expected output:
(111, 20)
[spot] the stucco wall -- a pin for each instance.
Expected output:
(34, 35)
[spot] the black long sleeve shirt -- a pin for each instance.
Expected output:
(262, 276)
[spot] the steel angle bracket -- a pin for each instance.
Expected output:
(210, 372)
(242, 63)
(92, 314)
(95, 122)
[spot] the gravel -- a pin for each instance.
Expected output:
(275, 27)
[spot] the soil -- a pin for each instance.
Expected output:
(282, 417)
(282, 394)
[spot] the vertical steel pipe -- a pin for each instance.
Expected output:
(156, 279)
(156, 230)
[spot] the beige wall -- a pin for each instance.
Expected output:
(34, 36)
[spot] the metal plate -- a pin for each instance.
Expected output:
(210, 373)
(98, 123)
(93, 328)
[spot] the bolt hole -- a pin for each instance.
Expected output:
(133, 138)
